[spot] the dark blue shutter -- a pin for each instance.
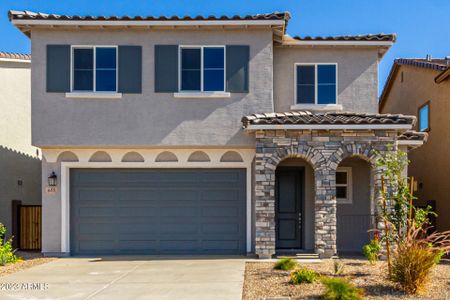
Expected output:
(237, 68)
(58, 68)
(130, 69)
(166, 68)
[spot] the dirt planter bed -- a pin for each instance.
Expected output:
(29, 259)
(261, 281)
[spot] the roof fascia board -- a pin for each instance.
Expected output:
(330, 127)
(338, 43)
(27, 61)
(147, 23)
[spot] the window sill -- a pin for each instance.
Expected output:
(202, 95)
(317, 107)
(94, 95)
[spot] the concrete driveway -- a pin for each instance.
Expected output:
(128, 278)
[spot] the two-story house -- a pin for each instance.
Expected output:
(163, 134)
(20, 165)
(421, 87)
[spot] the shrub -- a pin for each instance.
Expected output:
(415, 256)
(6, 249)
(372, 250)
(285, 264)
(341, 289)
(338, 266)
(303, 275)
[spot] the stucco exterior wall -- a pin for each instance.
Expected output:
(150, 119)
(18, 159)
(429, 163)
(357, 75)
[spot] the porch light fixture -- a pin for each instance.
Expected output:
(52, 179)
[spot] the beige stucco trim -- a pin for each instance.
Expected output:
(149, 162)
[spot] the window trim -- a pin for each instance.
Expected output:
(201, 47)
(428, 103)
(349, 185)
(316, 95)
(94, 91)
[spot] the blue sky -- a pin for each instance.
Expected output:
(421, 25)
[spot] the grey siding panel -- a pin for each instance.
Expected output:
(130, 69)
(58, 68)
(156, 211)
(237, 68)
(166, 68)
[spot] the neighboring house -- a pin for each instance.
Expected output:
(163, 135)
(421, 87)
(20, 165)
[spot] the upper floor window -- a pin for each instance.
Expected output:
(202, 68)
(424, 117)
(316, 83)
(94, 69)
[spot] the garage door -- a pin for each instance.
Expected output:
(157, 211)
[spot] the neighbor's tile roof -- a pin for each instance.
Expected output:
(29, 15)
(411, 135)
(434, 64)
(11, 55)
(351, 38)
(441, 65)
(325, 118)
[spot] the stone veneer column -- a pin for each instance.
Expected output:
(325, 212)
(264, 201)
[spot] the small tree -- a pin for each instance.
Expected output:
(416, 251)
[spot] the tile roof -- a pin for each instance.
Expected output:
(411, 135)
(11, 55)
(363, 37)
(29, 15)
(325, 118)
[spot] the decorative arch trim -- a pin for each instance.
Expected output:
(100, 156)
(133, 156)
(199, 156)
(68, 156)
(166, 156)
(310, 154)
(231, 156)
(364, 151)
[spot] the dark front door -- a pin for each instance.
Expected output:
(288, 207)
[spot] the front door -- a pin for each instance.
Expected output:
(288, 207)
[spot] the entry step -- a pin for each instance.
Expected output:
(297, 255)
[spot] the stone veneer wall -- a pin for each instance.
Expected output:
(324, 150)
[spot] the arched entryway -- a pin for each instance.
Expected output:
(355, 205)
(294, 206)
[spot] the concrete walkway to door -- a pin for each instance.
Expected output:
(129, 278)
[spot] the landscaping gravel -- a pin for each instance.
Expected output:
(29, 259)
(261, 281)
